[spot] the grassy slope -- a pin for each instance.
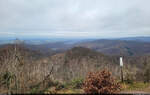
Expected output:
(137, 87)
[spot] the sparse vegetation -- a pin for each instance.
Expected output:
(147, 73)
(76, 83)
(26, 71)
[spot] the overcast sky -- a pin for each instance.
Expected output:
(74, 18)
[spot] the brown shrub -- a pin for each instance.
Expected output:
(100, 82)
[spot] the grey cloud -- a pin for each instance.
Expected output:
(96, 18)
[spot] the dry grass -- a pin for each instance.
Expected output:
(136, 87)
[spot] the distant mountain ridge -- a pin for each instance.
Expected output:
(131, 46)
(38, 41)
(118, 47)
(139, 39)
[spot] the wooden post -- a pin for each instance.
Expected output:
(121, 66)
(122, 74)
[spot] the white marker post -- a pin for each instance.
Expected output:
(121, 65)
(121, 62)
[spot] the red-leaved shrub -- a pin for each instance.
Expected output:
(101, 82)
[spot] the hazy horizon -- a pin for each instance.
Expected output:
(78, 38)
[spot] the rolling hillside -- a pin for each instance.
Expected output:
(67, 65)
(118, 47)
